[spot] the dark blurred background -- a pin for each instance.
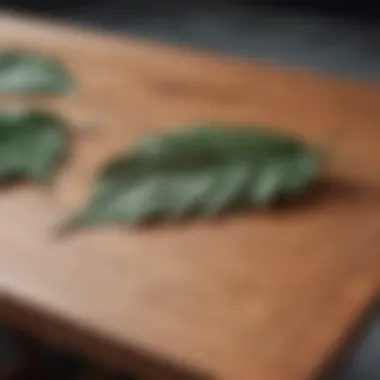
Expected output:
(335, 36)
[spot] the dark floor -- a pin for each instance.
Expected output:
(348, 46)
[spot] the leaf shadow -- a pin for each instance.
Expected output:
(12, 182)
(323, 193)
(331, 191)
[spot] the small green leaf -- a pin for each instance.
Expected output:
(22, 71)
(32, 144)
(199, 171)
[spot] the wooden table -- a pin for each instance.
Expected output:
(264, 296)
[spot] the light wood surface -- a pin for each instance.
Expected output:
(265, 295)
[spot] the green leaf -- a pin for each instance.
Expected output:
(22, 71)
(199, 171)
(32, 144)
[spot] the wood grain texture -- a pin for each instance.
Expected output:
(265, 295)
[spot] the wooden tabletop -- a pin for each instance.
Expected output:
(265, 295)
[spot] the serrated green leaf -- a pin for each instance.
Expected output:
(22, 71)
(32, 144)
(199, 171)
